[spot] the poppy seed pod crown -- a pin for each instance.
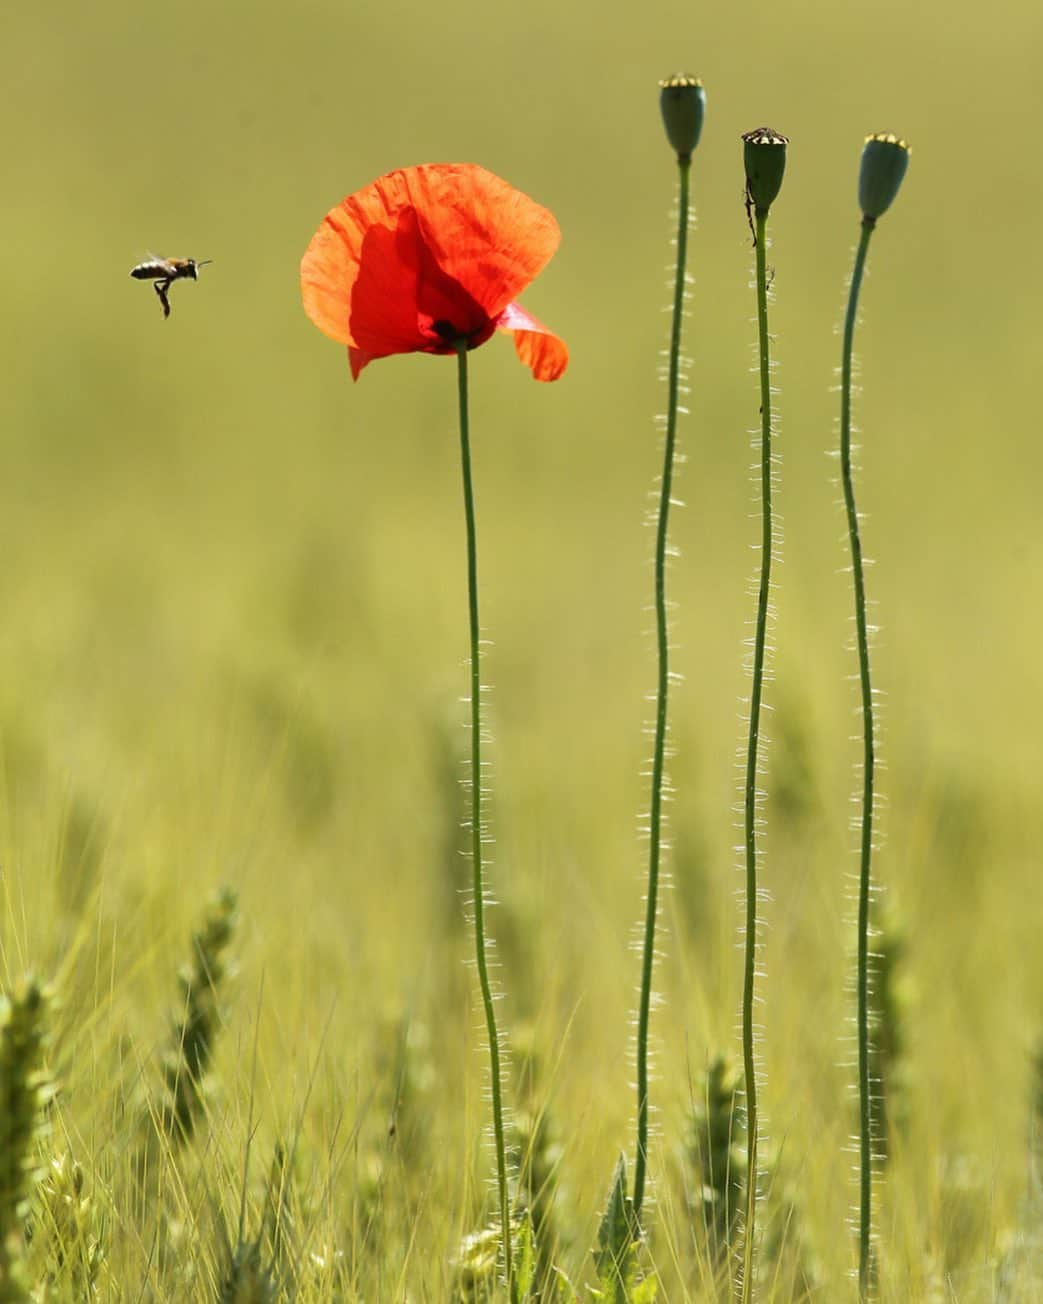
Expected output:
(682, 102)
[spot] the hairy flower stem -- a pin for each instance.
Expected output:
(662, 638)
(865, 1221)
(478, 882)
(752, 761)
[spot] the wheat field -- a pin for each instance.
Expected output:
(233, 646)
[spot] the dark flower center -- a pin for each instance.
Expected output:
(446, 335)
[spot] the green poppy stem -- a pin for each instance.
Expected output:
(662, 637)
(752, 759)
(865, 1222)
(478, 883)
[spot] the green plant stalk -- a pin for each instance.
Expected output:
(478, 883)
(752, 754)
(24, 1096)
(865, 1220)
(662, 636)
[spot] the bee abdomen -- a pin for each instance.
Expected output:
(149, 271)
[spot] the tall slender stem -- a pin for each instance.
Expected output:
(663, 645)
(752, 759)
(478, 888)
(865, 1222)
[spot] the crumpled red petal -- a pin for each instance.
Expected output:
(330, 266)
(358, 359)
(488, 237)
(544, 353)
(401, 295)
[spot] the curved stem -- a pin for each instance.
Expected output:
(662, 639)
(476, 824)
(865, 1221)
(752, 759)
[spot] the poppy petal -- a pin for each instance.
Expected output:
(331, 263)
(358, 358)
(544, 353)
(369, 279)
(486, 236)
(382, 314)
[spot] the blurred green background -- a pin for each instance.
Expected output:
(233, 594)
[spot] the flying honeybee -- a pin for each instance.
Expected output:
(163, 272)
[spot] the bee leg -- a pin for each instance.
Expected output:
(161, 288)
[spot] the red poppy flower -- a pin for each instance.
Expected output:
(429, 255)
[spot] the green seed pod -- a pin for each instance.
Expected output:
(884, 161)
(764, 156)
(682, 102)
